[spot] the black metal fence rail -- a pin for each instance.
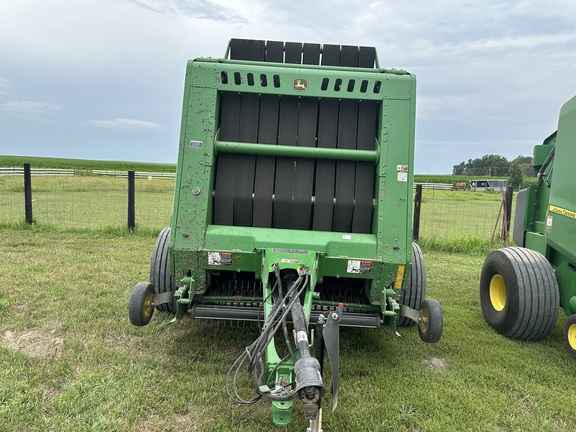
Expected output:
(83, 199)
(131, 200)
(29, 215)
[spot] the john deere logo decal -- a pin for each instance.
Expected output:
(300, 84)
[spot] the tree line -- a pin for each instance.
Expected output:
(497, 166)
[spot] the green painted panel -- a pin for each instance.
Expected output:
(193, 236)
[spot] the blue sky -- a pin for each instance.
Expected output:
(103, 79)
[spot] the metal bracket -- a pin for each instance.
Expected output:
(414, 314)
(158, 299)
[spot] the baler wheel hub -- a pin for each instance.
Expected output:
(498, 292)
(570, 335)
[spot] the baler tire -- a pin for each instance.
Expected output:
(570, 335)
(430, 329)
(140, 309)
(519, 293)
(160, 269)
(416, 290)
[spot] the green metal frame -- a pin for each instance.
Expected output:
(193, 235)
(389, 245)
(550, 211)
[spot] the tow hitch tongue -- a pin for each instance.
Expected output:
(302, 379)
(309, 385)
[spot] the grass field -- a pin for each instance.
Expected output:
(460, 219)
(87, 202)
(449, 219)
(71, 361)
(84, 164)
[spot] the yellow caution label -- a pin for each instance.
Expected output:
(400, 277)
(562, 211)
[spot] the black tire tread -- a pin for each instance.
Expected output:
(415, 292)
(532, 276)
(160, 269)
(135, 304)
(433, 331)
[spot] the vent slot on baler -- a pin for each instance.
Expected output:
(296, 193)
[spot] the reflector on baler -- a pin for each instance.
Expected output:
(293, 205)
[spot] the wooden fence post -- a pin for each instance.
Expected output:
(416, 221)
(508, 213)
(131, 202)
(27, 194)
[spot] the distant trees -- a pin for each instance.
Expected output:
(525, 163)
(516, 175)
(494, 165)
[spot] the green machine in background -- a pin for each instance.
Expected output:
(293, 208)
(522, 288)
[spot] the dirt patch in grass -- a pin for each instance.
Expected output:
(436, 364)
(33, 343)
(175, 422)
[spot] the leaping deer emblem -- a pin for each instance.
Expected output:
(300, 84)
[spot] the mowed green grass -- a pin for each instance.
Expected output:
(71, 361)
(77, 202)
(93, 202)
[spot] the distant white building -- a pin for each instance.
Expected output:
(487, 185)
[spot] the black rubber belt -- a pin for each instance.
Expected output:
(251, 118)
(267, 134)
(287, 128)
(306, 137)
(364, 186)
(367, 121)
(226, 163)
(265, 165)
(327, 138)
(247, 132)
(245, 164)
(284, 182)
(346, 170)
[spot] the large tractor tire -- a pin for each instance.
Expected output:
(415, 292)
(519, 293)
(160, 269)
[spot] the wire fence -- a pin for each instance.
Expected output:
(84, 200)
(460, 214)
(87, 201)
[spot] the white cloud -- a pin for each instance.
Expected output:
(201, 9)
(515, 42)
(26, 106)
(126, 124)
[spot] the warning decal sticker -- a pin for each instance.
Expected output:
(219, 258)
(359, 267)
(549, 224)
(402, 173)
